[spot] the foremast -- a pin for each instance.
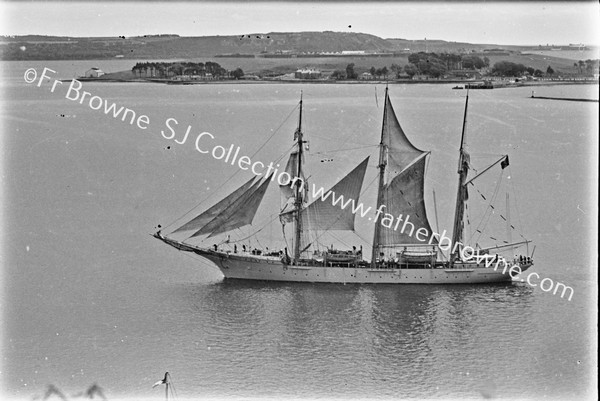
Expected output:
(461, 196)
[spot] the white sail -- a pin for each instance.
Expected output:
(245, 214)
(239, 213)
(203, 218)
(402, 185)
(324, 215)
(404, 196)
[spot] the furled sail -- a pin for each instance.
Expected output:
(324, 215)
(212, 212)
(401, 190)
(239, 213)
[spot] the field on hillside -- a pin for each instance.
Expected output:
(362, 64)
(575, 55)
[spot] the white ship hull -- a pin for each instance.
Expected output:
(252, 267)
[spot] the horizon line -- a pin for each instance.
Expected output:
(288, 32)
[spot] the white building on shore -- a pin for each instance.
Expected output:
(94, 72)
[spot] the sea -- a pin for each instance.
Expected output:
(90, 297)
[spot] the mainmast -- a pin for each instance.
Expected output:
(382, 165)
(463, 169)
(298, 198)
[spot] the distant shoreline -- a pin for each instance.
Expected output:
(501, 84)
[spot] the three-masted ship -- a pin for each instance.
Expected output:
(405, 249)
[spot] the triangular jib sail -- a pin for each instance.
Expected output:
(236, 210)
(203, 218)
(241, 212)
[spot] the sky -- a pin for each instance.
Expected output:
(519, 23)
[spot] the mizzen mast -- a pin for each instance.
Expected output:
(461, 196)
(298, 196)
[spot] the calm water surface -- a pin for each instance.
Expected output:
(88, 296)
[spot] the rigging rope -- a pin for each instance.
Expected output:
(516, 203)
(488, 212)
(237, 170)
(257, 231)
(342, 150)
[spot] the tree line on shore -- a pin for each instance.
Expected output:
(437, 66)
(167, 70)
(427, 65)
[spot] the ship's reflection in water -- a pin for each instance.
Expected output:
(315, 340)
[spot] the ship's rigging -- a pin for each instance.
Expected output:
(400, 188)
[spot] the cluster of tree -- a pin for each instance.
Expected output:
(588, 66)
(237, 73)
(397, 70)
(426, 64)
(338, 74)
(419, 63)
(162, 69)
(382, 72)
(379, 72)
(509, 69)
(436, 65)
(350, 73)
(474, 62)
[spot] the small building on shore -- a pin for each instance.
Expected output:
(464, 74)
(204, 77)
(307, 74)
(94, 72)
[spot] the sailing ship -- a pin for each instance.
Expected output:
(407, 253)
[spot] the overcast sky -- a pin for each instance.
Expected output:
(475, 22)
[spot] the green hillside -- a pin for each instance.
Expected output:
(173, 46)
